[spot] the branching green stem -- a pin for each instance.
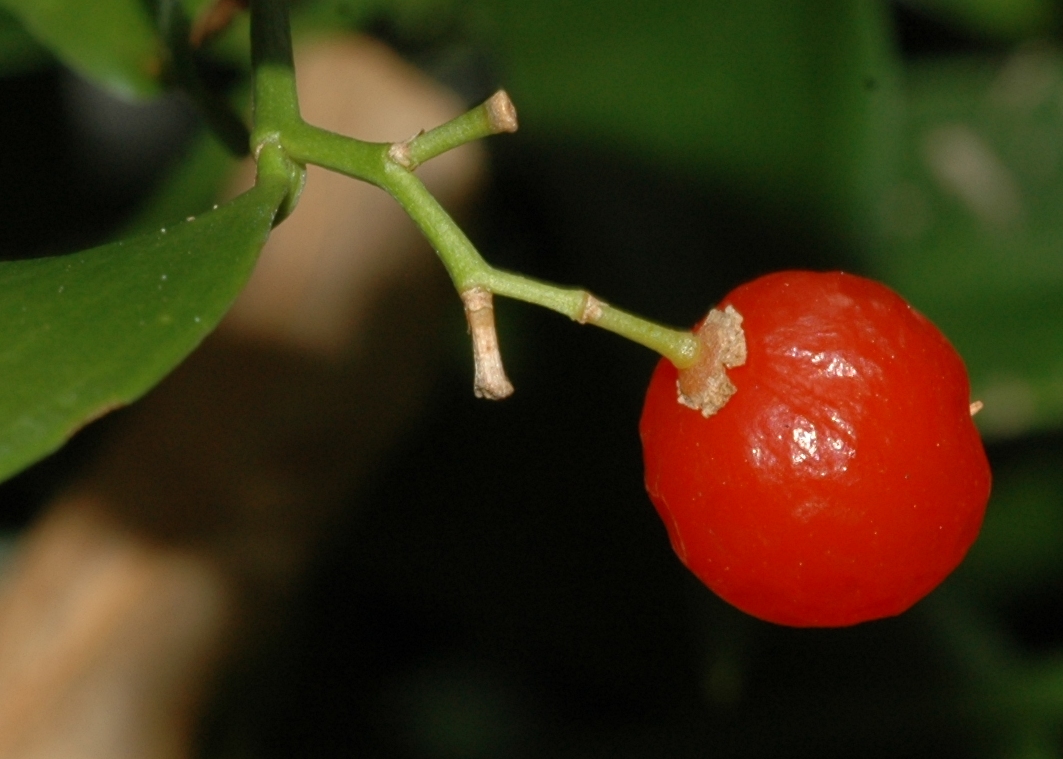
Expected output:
(367, 161)
(494, 116)
(468, 269)
(278, 124)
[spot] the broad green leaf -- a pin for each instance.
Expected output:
(84, 333)
(112, 42)
(788, 100)
(19, 51)
(974, 231)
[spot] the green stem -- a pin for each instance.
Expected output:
(367, 161)
(494, 116)
(463, 262)
(275, 98)
(468, 270)
(276, 101)
(279, 127)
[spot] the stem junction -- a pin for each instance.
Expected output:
(278, 123)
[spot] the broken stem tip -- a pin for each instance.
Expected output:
(501, 113)
(490, 380)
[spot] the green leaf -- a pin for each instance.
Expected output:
(19, 51)
(790, 101)
(974, 231)
(112, 42)
(84, 333)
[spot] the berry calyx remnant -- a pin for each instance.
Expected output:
(705, 386)
(844, 479)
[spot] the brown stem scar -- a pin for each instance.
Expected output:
(399, 152)
(489, 380)
(591, 310)
(705, 386)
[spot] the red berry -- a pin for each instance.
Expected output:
(844, 479)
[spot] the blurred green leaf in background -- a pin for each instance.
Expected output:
(113, 42)
(973, 231)
(790, 102)
(19, 50)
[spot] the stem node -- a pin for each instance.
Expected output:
(399, 152)
(591, 310)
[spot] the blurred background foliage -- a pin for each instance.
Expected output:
(519, 598)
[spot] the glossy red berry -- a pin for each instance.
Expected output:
(844, 479)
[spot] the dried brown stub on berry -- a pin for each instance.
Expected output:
(705, 386)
